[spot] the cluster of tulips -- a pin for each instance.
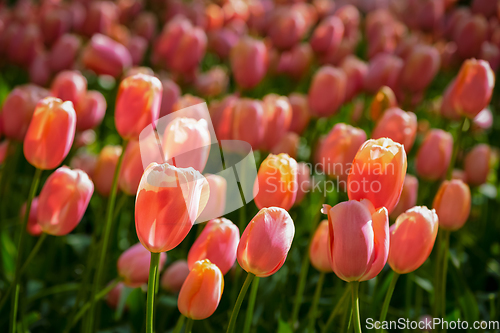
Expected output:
(110, 96)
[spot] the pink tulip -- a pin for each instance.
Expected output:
(434, 154)
(101, 17)
(64, 52)
(265, 243)
(137, 46)
(288, 27)
(145, 25)
(484, 7)
(170, 95)
(39, 69)
(452, 204)
(289, 144)
(477, 164)
(218, 243)
(398, 125)
(174, 276)
(491, 53)
(249, 62)
(358, 241)
(84, 161)
(412, 239)
(91, 111)
(113, 297)
(355, 71)
(327, 91)
(350, 17)
(222, 41)
(300, 112)
(70, 86)
(217, 200)
(105, 169)
(104, 56)
(277, 119)
(420, 68)
(63, 201)
(54, 22)
(296, 62)
(469, 35)
(213, 82)
(131, 170)
(318, 250)
(408, 198)
(327, 35)
(383, 70)
(50, 134)
(33, 228)
(133, 265)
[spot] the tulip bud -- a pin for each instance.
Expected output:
(39, 69)
(63, 201)
(469, 35)
(131, 170)
(54, 22)
(213, 82)
(91, 111)
(170, 95)
(327, 35)
(477, 164)
(104, 56)
(33, 228)
(218, 243)
(50, 133)
(186, 142)
(358, 241)
(355, 71)
(383, 70)
(300, 112)
(168, 202)
(201, 292)
(217, 200)
(64, 52)
(101, 16)
(420, 68)
(327, 91)
(452, 204)
(447, 109)
(18, 109)
(412, 239)
(174, 276)
(266, 241)
(70, 86)
(289, 145)
(383, 100)
(288, 28)
(113, 297)
(398, 125)
(318, 251)
(296, 62)
(137, 104)
(249, 62)
(337, 150)
(473, 87)
(244, 121)
(278, 116)
(84, 161)
(133, 265)
(276, 183)
(105, 169)
(408, 197)
(382, 164)
(434, 154)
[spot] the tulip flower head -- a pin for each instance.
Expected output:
(168, 202)
(477, 164)
(384, 99)
(174, 276)
(265, 243)
(327, 91)
(318, 250)
(63, 201)
(408, 198)
(358, 241)
(412, 239)
(434, 154)
(50, 134)
(133, 265)
(378, 173)
(398, 125)
(202, 290)
(33, 228)
(105, 168)
(452, 204)
(216, 204)
(218, 243)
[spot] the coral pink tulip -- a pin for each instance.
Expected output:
(434, 154)
(218, 243)
(355, 70)
(381, 164)
(469, 35)
(213, 82)
(477, 164)
(408, 198)
(91, 111)
(33, 228)
(318, 250)
(289, 145)
(358, 240)
(174, 276)
(383, 70)
(170, 95)
(137, 104)
(412, 239)
(70, 86)
(288, 28)
(452, 204)
(168, 202)
(104, 169)
(63, 201)
(249, 62)
(217, 201)
(105, 56)
(50, 133)
(133, 265)
(398, 125)
(266, 241)
(384, 99)
(84, 161)
(327, 91)
(297, 61)
(64, 52)
(327, 35)
(300, 112)
(420, 68)
(201, 292)
(39, 69)
(277, 119)
(276, 183)
(132, 169)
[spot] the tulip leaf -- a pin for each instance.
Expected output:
(284, 327)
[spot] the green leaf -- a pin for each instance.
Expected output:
(284, 327)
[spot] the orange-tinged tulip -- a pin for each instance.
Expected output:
(131, 170)
(412, 239)
(358, 239)
(174, 276)
(408, 198)
(378, 173)
(70, 86)
(63, 201)
(168, 202)
(218, 243)
(137, 104)
(383, 100)
(289, 144)
(105, 169)
(452, 204)
(434, 154)
(327, 91)
(266, 241)
(338, 149)
(133, 265)
(186, 142)
(201, 292)
(33, 228)
(477, 164)
(278, 116)
(217, 201)
(276, 183)
(245, 122)
(50, 134)
(318, 250)
(91, 111)
(398, 125)
(300, 112)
